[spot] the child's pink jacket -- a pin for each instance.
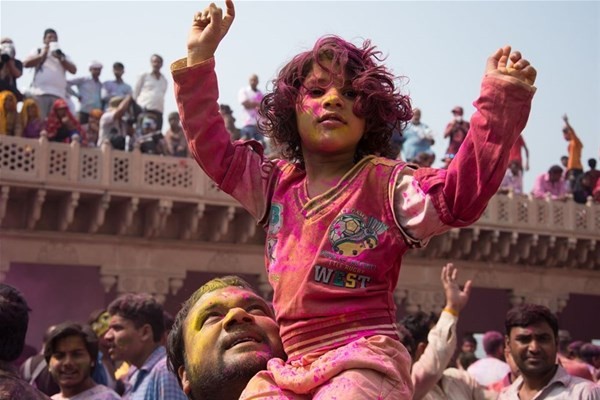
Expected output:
(334, 260)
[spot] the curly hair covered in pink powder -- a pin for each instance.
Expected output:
(384, 108)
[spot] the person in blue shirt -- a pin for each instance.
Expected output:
(134, 335)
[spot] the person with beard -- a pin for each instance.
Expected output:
(71, 352)
(532, 337)
(134, 335)
(223, 335)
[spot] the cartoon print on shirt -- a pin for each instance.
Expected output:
(271, 247)
(275, 219)
(350, 235)
(275, 222)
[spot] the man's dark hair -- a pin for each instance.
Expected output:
(168, 320)
(67, 329)
(592, 163)
(529, 314)
(140, 309)
(419, 324)
(118, 65)
(157, 56)
(175, 343)
(49, 31)
(556, 169)
(574, 349)
(468, 337)
(492, 342)
(14, 319)
(588, 352)
(407, 340)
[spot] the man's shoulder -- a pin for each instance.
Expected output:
(457, 374)
(164, 381)
(582, 385)
(156, 363)
(14, 388)
(485, 363)
(244, 90)
(161, 365)
(108, 116)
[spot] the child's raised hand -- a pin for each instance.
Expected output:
(208, 29)
(503, 62)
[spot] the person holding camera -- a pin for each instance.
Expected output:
(10, 68)
(51, 66)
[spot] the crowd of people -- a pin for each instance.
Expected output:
(110, 112)
(561, 182)
(226, 333)
(125, 117)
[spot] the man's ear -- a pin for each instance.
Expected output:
(185, 382)
(146, 333)
(420, 350)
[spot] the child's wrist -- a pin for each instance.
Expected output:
(451, 310)
(197, 56)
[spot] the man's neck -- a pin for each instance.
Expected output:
(139, 361)
(231, 391)
(156, 74)
(73, 391)
(534, 384)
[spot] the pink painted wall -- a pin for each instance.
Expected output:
(56, 293)
(581, 317)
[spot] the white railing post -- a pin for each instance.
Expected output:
(74, 154)
(43, 151)
(107, 164)
(136, 174)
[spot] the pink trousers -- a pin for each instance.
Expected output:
(371, 368)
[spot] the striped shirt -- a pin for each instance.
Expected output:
(153, 381)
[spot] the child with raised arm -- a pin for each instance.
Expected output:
(338, 215)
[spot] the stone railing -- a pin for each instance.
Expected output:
(40, 162)
(70, 167)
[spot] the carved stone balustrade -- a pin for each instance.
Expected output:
(146, 220)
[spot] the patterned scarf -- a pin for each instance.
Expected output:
(53, 122)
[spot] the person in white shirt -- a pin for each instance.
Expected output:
(532, 337)
(492, 367)
(250, 98)
(51, 65)
(150, 89)
(71, 353)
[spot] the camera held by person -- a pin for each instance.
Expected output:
(56, 51)
(7, 52)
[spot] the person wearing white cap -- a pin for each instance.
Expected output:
(88, 92)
